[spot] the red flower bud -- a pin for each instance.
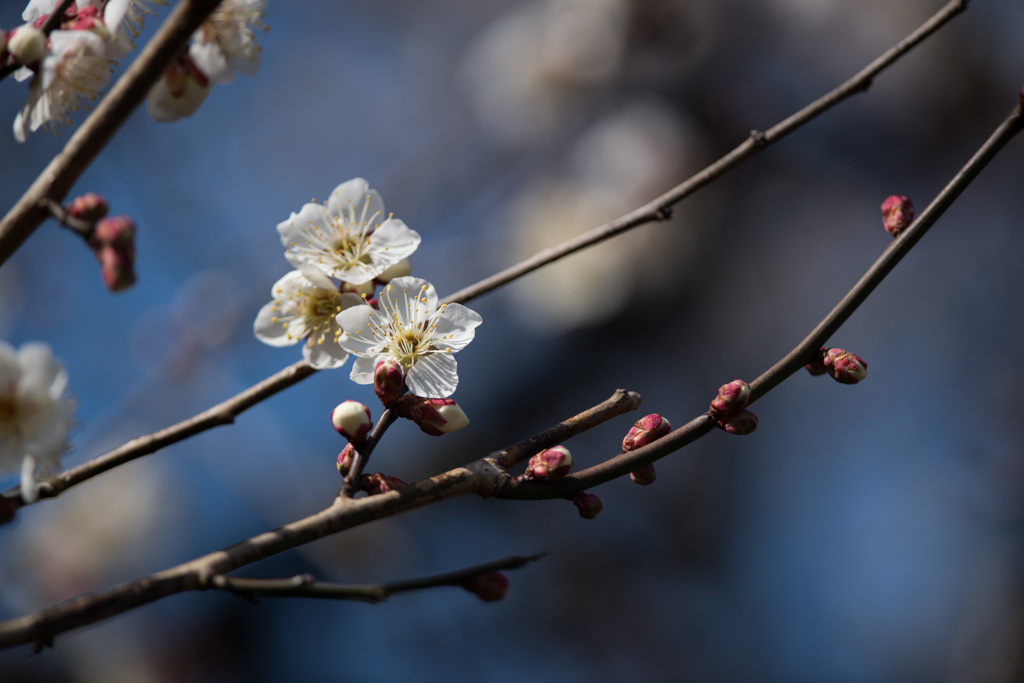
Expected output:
(435, 416)
(551, 462)
(897, 214)
(117, 267)
(845, 367)
(740, 425)
(352, 420)
(116, 231)
(645, 430)
(388, 381)
(345, 459)
(588, 505)
(732, 398)
(380, 483)
(88, 207)
(817, 366)
(490, 586)
(644, 476)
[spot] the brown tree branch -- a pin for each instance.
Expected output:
(658, 209)
(92, 136)
(483, 477)
(802, 354)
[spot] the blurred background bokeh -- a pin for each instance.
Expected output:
(863, 533)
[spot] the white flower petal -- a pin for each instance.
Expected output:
(356, 200)
(271, 326)
(394, 241)
(434, 376)
(456, 327)
(362, 369)
(325, 356)
(357, 322)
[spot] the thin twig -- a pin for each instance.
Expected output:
(803, 352)
(482, 477)
(659, 209)
(362, 457)
(220, 414)
(92, 136)
(306, 586)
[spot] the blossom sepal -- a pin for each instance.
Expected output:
(89, 207)
(352, 420)
(817, 366)
(549, 463)
(646, 430)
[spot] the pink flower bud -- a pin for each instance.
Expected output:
(380, 483)
(388, 381)
(490, 586)
(644, 476)
(1020, 98)
(645, 430)
(27, 44)
(588, 504)
(352, 420)
(844, 367)
(117, 267)
(897, 214)
(740, 425)
(89, 207)
(345, 459)
(435, 416)
(732, 398)
(551, 462)
(817, 366)
(116, 231)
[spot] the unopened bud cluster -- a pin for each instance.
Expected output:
(549, 463)
(112, 238)
(897, 214)
(435, 416)
(388, 380)
(842, 366)
(647, 429)
(728, 409)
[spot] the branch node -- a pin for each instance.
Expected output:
(757, 139)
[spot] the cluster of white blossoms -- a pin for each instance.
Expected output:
(343, 250)
(69, 67)
(35, 413)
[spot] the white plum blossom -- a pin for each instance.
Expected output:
(35, 412)
(349, 236)
(72, 74)
(225, 43)
(409, 327)
(122, 18)
(303, 310)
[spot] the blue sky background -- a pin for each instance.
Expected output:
(864, 533)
